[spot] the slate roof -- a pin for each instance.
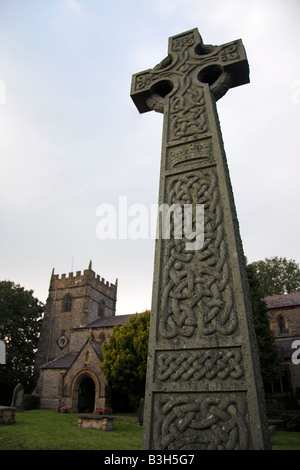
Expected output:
(105, 322)
(285, 300)
(98, 348)
(66, 361)
(63, 362)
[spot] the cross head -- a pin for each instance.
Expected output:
(176, 85)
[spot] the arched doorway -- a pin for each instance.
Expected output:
(85, 392)
(86, 396)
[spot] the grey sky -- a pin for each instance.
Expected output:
(71, 138)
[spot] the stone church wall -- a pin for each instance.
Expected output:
(78, 337)
(292, 319)
(51, 383)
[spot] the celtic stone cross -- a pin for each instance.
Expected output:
(203, 388)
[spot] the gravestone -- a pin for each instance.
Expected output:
(203, 387)
(18, 398)
(141, 412)
(89, 421)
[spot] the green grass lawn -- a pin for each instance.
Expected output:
(48, 430)
(283, 440)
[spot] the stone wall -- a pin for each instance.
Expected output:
(51, 383)
(79, 336)
(291, 316)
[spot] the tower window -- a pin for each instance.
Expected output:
(282, 325)
(101, 308)
(67, 303)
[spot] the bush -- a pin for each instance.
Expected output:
(292, 420)
(31, 402)
(125, 358)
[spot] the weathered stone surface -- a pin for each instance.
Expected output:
(18, 398)
(104, 423)
(204, 388)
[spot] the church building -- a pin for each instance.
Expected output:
(79, 317)
(284, 317)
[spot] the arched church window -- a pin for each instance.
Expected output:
(87, 357)
(282, 325)
(67, 303)
(102, 337)
(101, 308)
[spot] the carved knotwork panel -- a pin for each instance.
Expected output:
(201, 422)
(187, 112)
(193, 366)
(196, 292)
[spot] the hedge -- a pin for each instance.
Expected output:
(31, 402)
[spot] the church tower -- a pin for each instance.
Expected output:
(73, 300)
(79, 317)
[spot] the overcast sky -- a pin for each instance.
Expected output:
(71, 138)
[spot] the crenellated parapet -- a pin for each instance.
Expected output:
(81, 277)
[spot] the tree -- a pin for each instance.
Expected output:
(268, 356)
(277, 276)
(20, 318)
(125, 357)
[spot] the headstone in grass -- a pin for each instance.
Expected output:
(18, 398)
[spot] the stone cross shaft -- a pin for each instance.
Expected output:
(203, 387)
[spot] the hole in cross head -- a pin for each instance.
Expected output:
(210, 74)
(204, 49)
(162, 88)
